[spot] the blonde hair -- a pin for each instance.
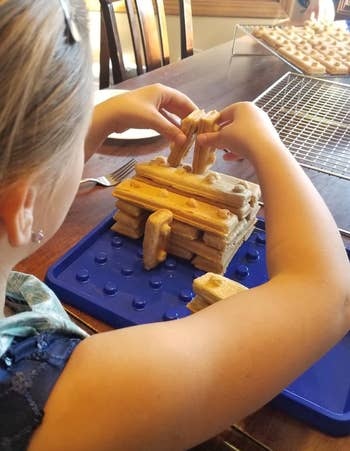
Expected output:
(45, 84)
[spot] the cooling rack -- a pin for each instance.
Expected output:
(312, 117)
(240, 48)
(242, 30)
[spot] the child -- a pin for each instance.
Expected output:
(162, 386)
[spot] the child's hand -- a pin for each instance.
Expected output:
(244, 130)
(148, 107)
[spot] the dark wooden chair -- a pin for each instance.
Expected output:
(342, 10)
(148, 34)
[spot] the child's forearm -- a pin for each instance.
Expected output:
(301, 231)
(98, 131)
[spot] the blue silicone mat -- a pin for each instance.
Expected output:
(103, 275)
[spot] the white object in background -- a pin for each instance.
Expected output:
(131, 134)
(320, 10)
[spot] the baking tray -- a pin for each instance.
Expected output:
(103, 275)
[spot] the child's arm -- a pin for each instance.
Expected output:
(302, 235)
(168, 386)
(142, 108)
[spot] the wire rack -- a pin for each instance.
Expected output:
(312, 117)
(247, 30)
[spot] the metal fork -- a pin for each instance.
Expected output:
(114, 177)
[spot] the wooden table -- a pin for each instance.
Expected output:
(213, 79)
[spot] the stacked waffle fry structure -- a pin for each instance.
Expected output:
(187, 211)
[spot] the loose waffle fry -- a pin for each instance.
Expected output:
(211, 288)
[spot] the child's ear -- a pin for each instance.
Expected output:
(17, 212)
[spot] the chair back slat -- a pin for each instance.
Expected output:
(163, 31)
(149, 35)
(135, 36)
(115, 48)
(186, 28)
(104, 56)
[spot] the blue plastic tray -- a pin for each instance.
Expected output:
(103, 275)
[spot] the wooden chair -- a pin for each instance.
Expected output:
(342, 10)
(148, 34)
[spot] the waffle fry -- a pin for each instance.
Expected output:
(189, 126)
(204, 157)
(211, 288)
(157, 232)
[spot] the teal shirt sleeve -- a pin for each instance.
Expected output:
(40, 311)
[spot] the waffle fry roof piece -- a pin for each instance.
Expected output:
(226, 190)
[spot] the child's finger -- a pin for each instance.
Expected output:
(213, 139)
(227, 115)
(177, 102)
(167, 128)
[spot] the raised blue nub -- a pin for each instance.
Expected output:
(101, 258)
(110, 288)
(127, 270)
(242, 271)
(117, 241)
(83, 275)
(186, 295)
(139, 303)
(170, 264)
(252, 255)
(171, 314)
(155, 282)
(261, 238)
(140, 252)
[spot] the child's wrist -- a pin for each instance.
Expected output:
(261, 149)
